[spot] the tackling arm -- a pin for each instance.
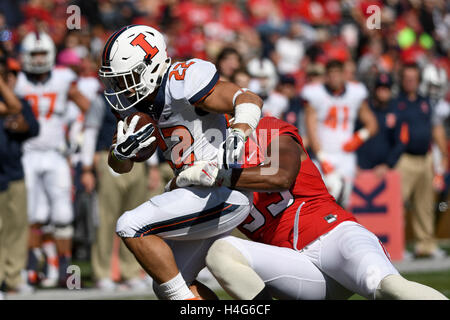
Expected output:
(252, 178)
(290, 157)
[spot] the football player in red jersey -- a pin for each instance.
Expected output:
(304, 246)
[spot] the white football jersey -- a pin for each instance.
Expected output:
(336, 114)
(275, 105)
(48, 101)
(188, 133)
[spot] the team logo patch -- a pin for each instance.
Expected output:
(330, 218)
(424, 107)
(390, 120)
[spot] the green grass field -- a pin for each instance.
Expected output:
(439, 280)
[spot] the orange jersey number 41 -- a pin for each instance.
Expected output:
(332, 117)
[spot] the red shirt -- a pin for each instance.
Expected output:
(294, 217)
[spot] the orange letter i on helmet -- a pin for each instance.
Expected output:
(147, 47)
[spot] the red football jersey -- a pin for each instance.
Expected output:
(295, 217)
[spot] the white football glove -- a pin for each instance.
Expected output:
(232, 149)
(129, 143)
(203, 173)
(335, 184)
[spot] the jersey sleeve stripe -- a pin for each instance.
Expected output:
(206, 90)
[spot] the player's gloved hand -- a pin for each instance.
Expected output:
(204, 173)
(129, 143)
(356, 141)
(438, 182)
(232, 149)
(335, 185)
(325, 165)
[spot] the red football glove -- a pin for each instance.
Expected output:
(438, 182)
(356, 141)
(326, 166)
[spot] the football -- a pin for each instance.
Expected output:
(144, 119)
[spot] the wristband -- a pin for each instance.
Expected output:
(238, 93)
(363, 134)
(115, 156)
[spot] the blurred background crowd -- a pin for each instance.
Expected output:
(277, 48)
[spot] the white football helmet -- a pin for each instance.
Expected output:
(134, 62)
(38, 53)
(434, 81)
(265, 71)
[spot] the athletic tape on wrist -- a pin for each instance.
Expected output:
(248, 113)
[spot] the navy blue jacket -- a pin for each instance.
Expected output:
(381, 148)
(12, 159)
(415, 116)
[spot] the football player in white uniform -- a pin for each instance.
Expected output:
(331, 111)
(188, 102)
(47, 173)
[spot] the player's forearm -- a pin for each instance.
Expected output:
(88, 147)
(440, 139)
(311, 129)
(80, 100)
(119, 166)
(83, 103)
(254, 179)
(368, 119)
